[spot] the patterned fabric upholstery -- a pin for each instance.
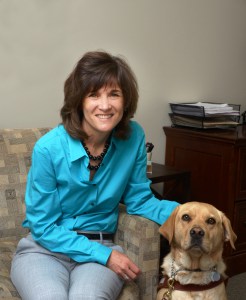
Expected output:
(138, 236)
(140, 239)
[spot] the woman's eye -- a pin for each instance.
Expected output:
(114, 95)
(92, 95)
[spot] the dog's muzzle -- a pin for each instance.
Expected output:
(196, 234)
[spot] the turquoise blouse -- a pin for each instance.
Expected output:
(61, 198)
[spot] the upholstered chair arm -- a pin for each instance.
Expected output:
(140, 239)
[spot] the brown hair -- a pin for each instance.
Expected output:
(93, 71)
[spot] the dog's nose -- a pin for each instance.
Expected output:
(197, 232)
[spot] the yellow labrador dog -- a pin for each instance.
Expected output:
(194, 268)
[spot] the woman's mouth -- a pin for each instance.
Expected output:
(104, 116)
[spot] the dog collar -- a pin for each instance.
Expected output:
(214, 276)
(165, 283)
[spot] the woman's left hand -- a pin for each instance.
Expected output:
(123, 266)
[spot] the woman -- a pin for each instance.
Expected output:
(80, 172)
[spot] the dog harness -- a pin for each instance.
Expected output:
(171, 284)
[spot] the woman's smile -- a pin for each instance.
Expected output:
(104, 116)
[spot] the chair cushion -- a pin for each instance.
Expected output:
(129, 292)
(7, 290)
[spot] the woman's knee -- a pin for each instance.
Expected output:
(92, 281)
(36, 278)
(95, 294)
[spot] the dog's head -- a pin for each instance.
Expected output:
(198, 228)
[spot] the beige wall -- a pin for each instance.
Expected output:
(180, 50)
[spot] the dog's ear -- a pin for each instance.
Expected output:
(167, 228)
(229, 233)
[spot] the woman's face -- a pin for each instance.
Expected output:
(102, 110)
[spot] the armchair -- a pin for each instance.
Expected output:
(138, 236)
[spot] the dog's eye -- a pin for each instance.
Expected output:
(186, 218)
(211, 221)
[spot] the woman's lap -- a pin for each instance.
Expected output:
(99, 280)
(40, 274)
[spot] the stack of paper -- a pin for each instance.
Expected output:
(205, 114)
(217, 109)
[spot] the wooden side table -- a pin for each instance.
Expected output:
(176, 182)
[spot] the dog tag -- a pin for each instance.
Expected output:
(215, 276)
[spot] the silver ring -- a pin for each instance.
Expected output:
(126, 277)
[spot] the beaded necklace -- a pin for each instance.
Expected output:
(96, 158)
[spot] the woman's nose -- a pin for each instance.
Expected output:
(104, 103)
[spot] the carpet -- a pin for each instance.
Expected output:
(236, 288)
